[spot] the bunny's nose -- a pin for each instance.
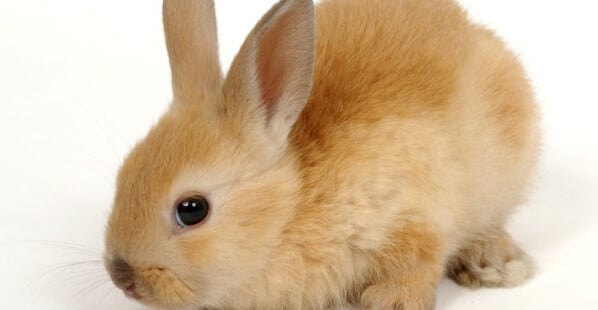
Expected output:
(123, 276)
(121, 272)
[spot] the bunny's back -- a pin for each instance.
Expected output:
(412, 91)
(381, 57)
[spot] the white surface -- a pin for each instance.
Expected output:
(81, 81)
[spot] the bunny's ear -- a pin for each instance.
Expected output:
(192, 42)
(270, 79)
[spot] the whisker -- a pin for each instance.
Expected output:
(59, 244)
(73, 271)
(76, 270)
(63, 267)
(95, 285)
(77, 277)
(111, 289)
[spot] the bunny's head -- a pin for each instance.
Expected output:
(202, 202)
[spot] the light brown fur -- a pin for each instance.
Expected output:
(417, 141)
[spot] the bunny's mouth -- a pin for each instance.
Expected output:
(158, 285)
(150, 285)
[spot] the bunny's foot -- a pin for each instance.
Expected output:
(493, 262)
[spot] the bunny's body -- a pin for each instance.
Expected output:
(403, 160)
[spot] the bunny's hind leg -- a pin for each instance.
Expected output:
(492, 261)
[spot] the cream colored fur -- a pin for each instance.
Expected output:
(354, 161)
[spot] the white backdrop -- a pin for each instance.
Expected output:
(81, 81)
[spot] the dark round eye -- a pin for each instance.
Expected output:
(191, 211)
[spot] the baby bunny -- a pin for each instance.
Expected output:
(354, 154)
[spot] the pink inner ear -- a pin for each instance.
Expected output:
(274, 60)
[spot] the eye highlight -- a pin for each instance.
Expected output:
(191, 211)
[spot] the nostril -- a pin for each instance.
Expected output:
(131, 290)
(121, 273)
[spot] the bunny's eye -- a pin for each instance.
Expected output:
(191, 211)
